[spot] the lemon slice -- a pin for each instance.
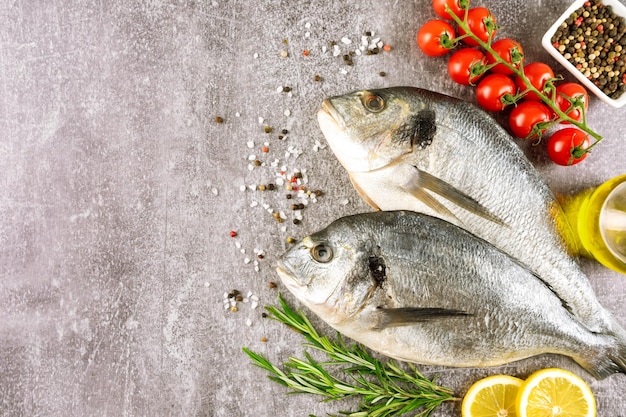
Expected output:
(555, 392)
(493, 396)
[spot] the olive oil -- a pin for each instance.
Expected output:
(598, 218)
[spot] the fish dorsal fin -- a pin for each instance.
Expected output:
(421, 180)
(406, 316)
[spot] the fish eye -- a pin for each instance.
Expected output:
(374, 103)
(322, 253)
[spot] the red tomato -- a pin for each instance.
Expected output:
(455, 7)
(537, 73)
(466, 66)
(571, 90)
(524, 118)
(480, 22)
(491, 89)
(510, 51)
(566, 147)
(429, 37)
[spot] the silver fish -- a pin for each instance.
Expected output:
(410, 149)
(419, 289)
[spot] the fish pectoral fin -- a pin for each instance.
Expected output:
(424, 180)
(405, 316)
(363, 195)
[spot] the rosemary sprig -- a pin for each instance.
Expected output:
(385, 388)
(548, 96)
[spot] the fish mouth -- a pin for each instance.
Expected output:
(330, 113)
(286, 275)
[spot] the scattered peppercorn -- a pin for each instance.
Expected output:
(382, 74)
(271, 284)
(267, 129)
(264, 339)
(218, 119)
(305, 52)
(289, 196)
(286, 89)
(261, 187)
(296, 221)
(284, 131)
(257, 163)
(233, 233)
(317, 78)
(290, 240)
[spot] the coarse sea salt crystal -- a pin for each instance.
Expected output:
(252, 187)
(248, 322)
(250, 144)
(246, 261)
(256, 55)
(274, 164)
(287, 113)
(237, 114)
(261, 120)
(358, 52)
(307, 34)
(242, 188)
(346, 41)
(250, 167)
(343, 71)
(254, 203)
(307, 25)
(215, 191)
(336, 50)
(324, 49)
(344, 202)
(238, 246)
(251, 157)
(280, 181)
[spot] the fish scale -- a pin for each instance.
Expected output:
(445, 296)
(471, 174)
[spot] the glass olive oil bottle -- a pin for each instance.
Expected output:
(598, 218)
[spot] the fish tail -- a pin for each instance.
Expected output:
(610, 359)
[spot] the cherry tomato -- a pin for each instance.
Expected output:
(526, 116)
(480, 22)
(455, 7)
(465, 66)
(430, 35)
(491, 89)
(571, 90)
(566, 146)
(537, 73)
(510, 51)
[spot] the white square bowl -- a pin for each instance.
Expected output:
(546, 41)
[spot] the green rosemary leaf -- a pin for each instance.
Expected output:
(385, 388)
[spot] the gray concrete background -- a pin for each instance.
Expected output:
(118, 191)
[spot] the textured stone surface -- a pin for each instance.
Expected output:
(118, 191)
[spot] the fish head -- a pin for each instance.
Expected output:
(371, 129)
(327, 272)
